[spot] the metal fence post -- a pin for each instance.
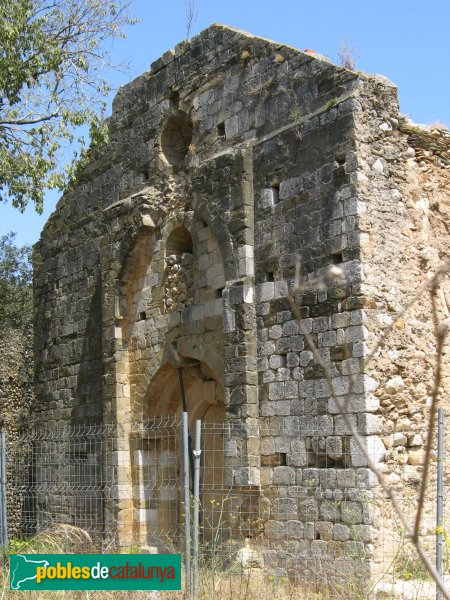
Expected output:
(187, 506)
(440, 497)
(3, 516)
(196, 523)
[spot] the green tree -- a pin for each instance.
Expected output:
(53, 68)
(16, 296)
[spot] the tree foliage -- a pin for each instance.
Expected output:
(16, 297)
(53, 68)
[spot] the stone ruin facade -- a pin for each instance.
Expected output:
(230, 161)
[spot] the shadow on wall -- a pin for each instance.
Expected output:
(89, 408)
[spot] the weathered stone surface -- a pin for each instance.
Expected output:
(375, 449)
(177, 248)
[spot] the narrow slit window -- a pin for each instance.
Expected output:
(275, 193)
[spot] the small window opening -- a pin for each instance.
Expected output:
(175, 97)
(269, 276)
(142, 315)
(317, 535)
(221, 129)
(340, 177)
(219, 293)
(275, 187)
(176, 138)
(336, 258)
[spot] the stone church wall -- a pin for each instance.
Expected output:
(231, 163)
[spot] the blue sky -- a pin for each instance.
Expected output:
(405, 40)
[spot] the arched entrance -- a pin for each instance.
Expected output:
(158, 460)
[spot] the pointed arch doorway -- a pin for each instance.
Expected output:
(158, 457)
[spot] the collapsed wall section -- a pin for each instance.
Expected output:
(403, 193)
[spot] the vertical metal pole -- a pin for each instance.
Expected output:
(196, 523)
(3, 516)
(187, 507)
(440, 497)
(183, 397)
(183, 404)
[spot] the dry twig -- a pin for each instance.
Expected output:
(190, 17)
(441, 331)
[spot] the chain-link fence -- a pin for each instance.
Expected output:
(271, 521)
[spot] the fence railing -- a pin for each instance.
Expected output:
(309, 519)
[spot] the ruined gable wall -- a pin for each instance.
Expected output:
(209, 77)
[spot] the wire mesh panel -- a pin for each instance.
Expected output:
(156, 483)
(301, 519)
(57, 476)
(282, 511)
(314, 517)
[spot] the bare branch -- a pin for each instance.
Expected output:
(29, 121)
(190, 16)
(346, 54)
